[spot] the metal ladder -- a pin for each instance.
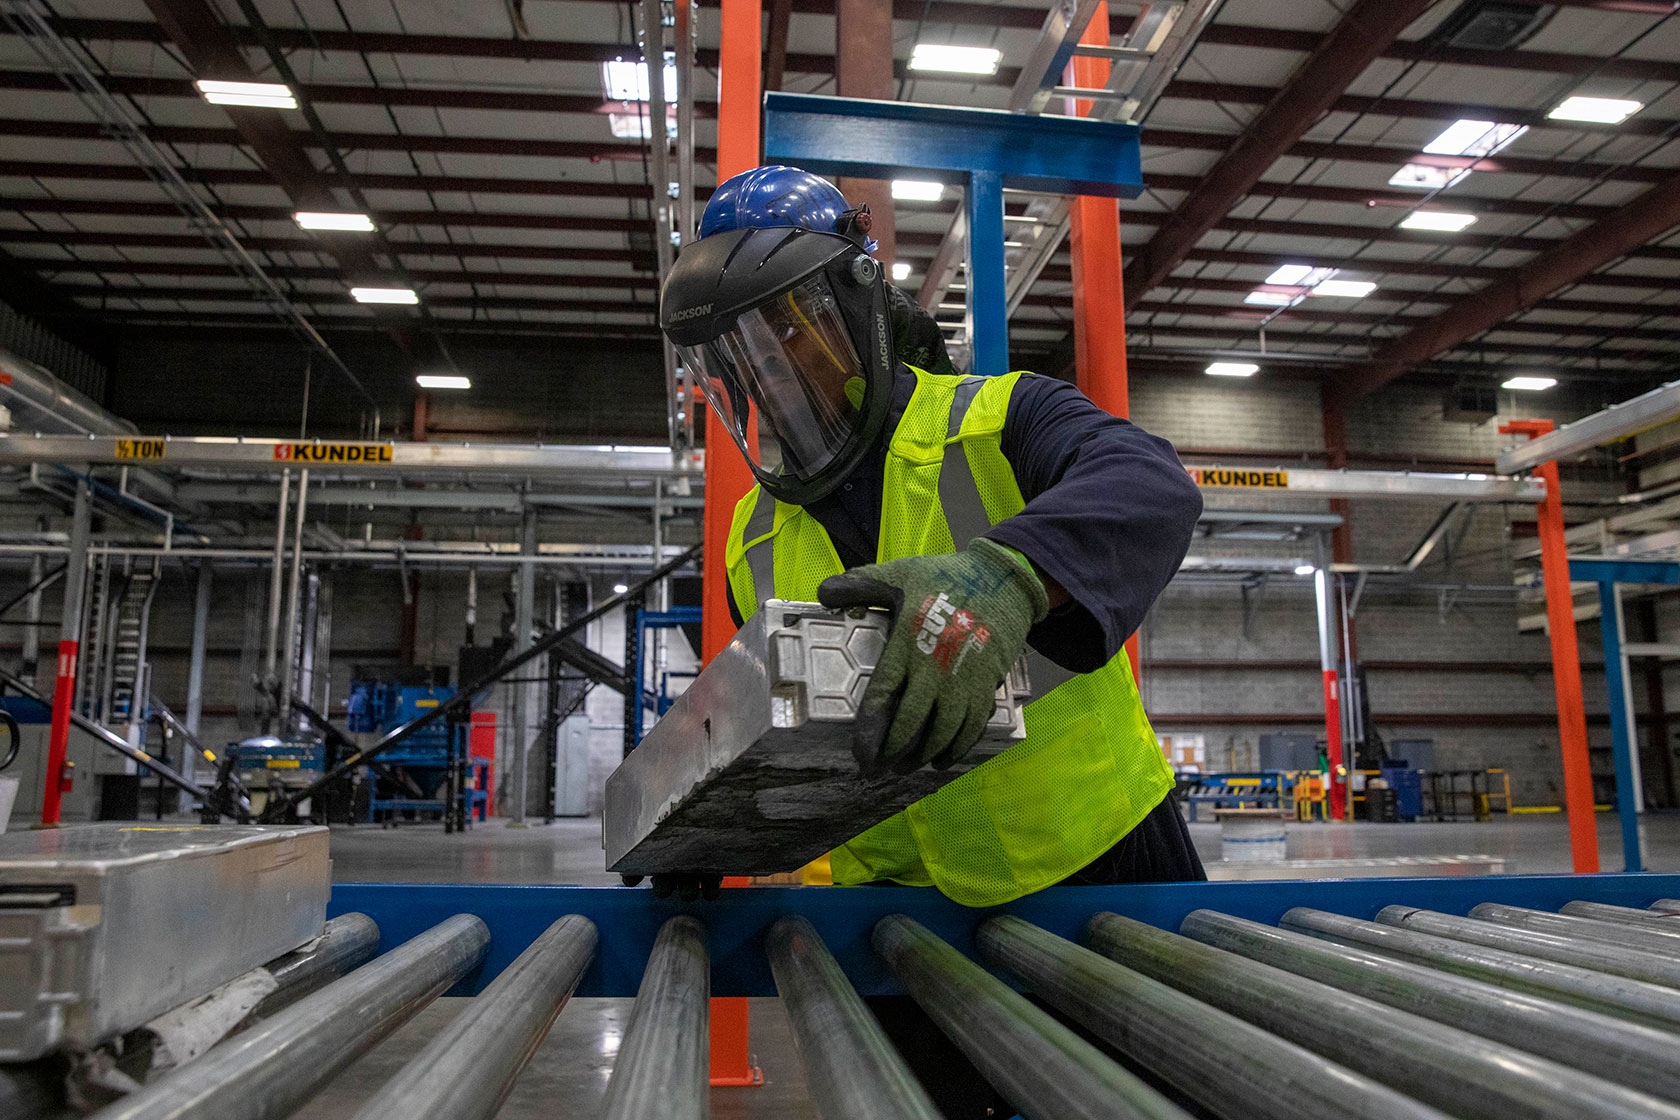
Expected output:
(114, 669)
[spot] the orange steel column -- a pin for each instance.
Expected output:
(727, 476)
(1566, 661)
(1099, 315)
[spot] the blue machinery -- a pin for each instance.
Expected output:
(432, 759)
(1607, 574)
(983, 151)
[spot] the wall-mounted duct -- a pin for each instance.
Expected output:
(40, 402)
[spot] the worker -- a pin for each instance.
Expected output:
(990, 515)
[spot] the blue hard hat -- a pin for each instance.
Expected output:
(774, 196)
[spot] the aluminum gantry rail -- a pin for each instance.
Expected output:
(364, 457)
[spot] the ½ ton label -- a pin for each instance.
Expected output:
(1254, 480)
(140, 448)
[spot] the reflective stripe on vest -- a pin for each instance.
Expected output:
(761, 557)
(965, 513)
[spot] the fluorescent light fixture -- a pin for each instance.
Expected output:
(1233, 369)
(1269, 299)
(626, 80)
(1426, 177)
(347, 223)
(384, 295)
(917, 190)
(1532, 384)
(955, 60)
(1299, 276)
(1595, 110)
(1304, 569)
(1025, 219)
(630, 126)
(442, 381)
(251, 95)
(1349, 289)
(1475, 139)
(620, 588)
(901, 270)
(1438, 220)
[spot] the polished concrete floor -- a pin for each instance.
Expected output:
(568, 1074)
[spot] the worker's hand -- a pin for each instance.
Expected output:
(687, 887)
(959, 622)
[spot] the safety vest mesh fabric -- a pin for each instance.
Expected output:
(1090, 767)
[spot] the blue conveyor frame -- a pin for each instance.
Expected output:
(629, 918)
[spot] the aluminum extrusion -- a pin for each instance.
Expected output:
(751, 771)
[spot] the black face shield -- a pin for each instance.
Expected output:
(786, 331)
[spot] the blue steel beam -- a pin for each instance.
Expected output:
(897, 139)
(629, 919)
(988, 298)
(1623, 571)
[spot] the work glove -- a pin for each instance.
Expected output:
(687, 887)
(959, 622)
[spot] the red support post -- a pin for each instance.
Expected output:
(1566, 660)
(1099, 297)
(58, 740)
(727, 476)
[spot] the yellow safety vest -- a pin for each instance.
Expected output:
(1090, 767)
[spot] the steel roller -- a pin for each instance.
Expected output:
(467, 1071)
(1228, 1066)
(660, 1072)
(1580, 929)
(1455, 1070)
(1632, 963)
(1623, 915)
(274, 1068)
(1041, 1066)
(1634, 1000)
(1631, 1054)
(850, 1065)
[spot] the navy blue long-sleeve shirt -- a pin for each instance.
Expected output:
(1109, 513)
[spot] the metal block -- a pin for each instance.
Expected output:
(751, 771)
(104, 927)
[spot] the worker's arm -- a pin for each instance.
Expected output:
(1109, 516)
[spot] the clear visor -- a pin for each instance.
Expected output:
(786, 381)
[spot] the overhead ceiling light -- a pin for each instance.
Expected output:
(1299, 276)
(1304, 569)
(1596, 110)
(626, 80)
(1233, 369)
(1530, 383)
(384, 295)
(901, 270)
(1349, 289)
(1026, 219)
(1475, 139)
(442, 381)
(630, 126)
(251, 95)
(955, 60)
(1437, 220)
(1427, 177)
(620, 588)
(917, 190)
(1261, 298)
(347, 223)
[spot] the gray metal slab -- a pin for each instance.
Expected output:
(751, 771)
(105, 926)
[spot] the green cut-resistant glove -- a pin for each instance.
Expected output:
(959, 622)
